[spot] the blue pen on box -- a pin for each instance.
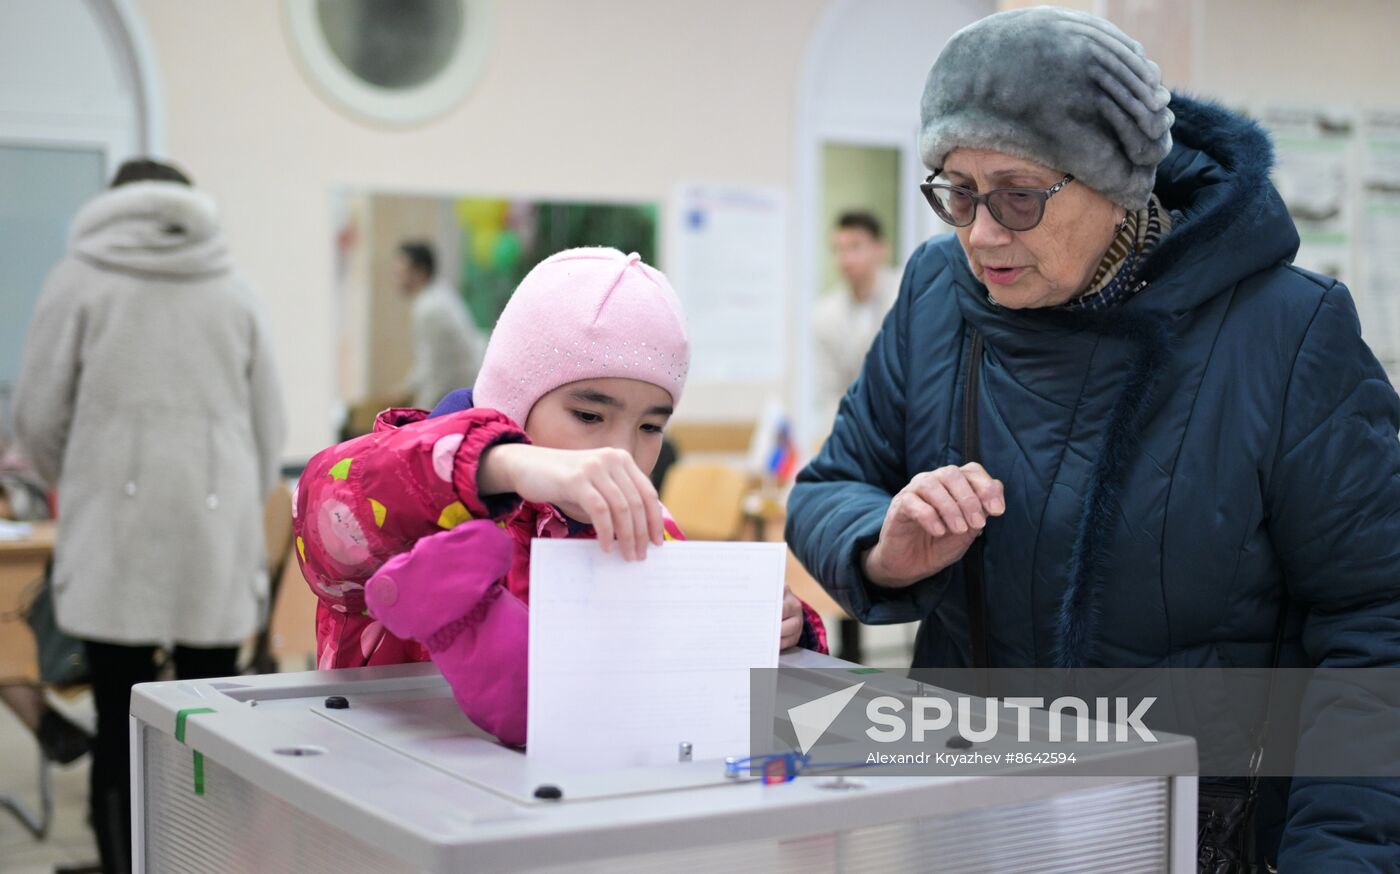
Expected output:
(780, 767)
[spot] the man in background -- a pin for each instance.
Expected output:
(447, 346)
(848, 317)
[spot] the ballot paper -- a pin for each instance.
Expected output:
(628, 661)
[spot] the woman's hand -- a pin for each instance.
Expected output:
(792, 620)
(931, 523)
(602, 487)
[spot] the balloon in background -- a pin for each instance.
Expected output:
(524, 220)
(484, 218)
(506, 251)
(483, 246)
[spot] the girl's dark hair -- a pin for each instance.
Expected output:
(148, 170)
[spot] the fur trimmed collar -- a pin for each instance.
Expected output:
(1233, 221)
(161, 228)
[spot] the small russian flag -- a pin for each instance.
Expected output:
(783, 463)
(774, 452)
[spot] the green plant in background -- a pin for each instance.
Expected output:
(502, 240)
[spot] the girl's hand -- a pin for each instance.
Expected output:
(602, 487)
(792, 620)
(931, 523)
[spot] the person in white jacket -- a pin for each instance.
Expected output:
(447, 345)
(149, 397)
(847, 318)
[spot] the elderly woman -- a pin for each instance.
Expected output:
(1182, 436)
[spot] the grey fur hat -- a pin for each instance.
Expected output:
(1063, 88)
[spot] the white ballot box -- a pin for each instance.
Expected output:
(377, 770)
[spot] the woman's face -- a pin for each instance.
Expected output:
(1052, 262)
(625, 414)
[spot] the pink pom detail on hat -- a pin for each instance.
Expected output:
(588, 313)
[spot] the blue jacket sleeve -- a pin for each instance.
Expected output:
(1334, 515)
(840, 499)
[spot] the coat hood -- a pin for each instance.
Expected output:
(1229, 223)
(1232, 222)
(161, 228)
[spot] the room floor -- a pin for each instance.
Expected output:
(69, 843)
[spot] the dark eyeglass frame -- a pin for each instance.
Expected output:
(928, 187)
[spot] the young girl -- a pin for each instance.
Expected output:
(416, 537)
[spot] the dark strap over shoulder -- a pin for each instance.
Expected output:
(972, 560)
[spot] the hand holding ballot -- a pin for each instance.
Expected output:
(793, 617)
(602, 487)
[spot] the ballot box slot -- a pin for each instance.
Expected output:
(433, 733)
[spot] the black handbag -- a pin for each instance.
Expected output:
(1225, 828)
(1225, 811)
(62, 659)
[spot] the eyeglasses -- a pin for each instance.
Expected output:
(1016, 209)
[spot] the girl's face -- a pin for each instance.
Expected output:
(615, 413)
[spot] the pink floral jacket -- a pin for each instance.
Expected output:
(405, 556)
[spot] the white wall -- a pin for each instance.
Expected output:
(621, 99)
(1341, 52)
(610, 98)
(1250, 52)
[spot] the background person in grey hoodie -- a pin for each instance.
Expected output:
(447, 345)
(149, 397)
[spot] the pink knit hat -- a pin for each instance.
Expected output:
(583, 314)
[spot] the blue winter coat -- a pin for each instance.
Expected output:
(1173, 469)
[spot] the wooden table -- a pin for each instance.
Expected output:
(21, 567)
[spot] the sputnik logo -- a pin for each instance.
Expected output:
(811, 720)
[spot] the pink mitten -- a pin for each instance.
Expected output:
(440, 580)
(446, 594)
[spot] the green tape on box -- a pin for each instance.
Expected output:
(185, 714)
(180, 719)
(865, 670)
(198, 772)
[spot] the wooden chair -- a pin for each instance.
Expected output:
(707, 500)
(291, 626)
(360, 416)
(277, 527)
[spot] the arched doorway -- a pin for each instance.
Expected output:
(858, 104)
(80, 95)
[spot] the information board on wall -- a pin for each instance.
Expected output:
(1339, 172)
(727, 258)
(1378, 255)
